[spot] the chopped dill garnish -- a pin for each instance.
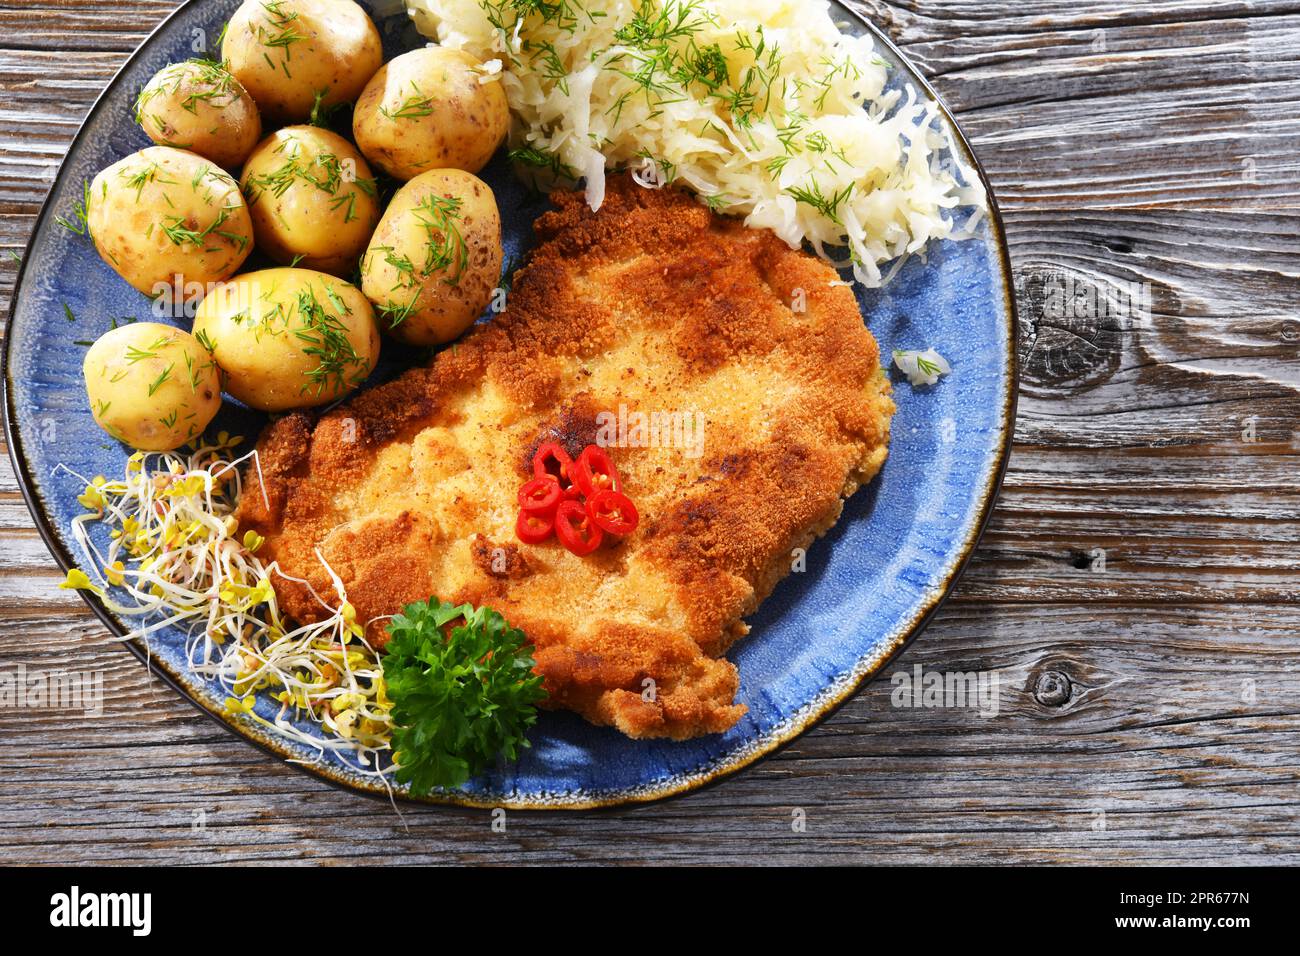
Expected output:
(325, 173)
(413, 107)
(151, 173)
(283, 36)
(396, 314)
(209, 82)
(817, 141)
(162, 379)
(136, 354)
(926, 366)
(325, 337)
(828, 206)
(348, 200)
(321, 115)
(446, 249)
(667, 169)
(80, 212)
(542, 159)
(407, 278)
(179, 233)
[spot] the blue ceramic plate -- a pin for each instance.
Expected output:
(870, 585)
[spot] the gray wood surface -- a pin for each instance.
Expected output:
(1150, 711)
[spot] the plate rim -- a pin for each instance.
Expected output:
(778, 738)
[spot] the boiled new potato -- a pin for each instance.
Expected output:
(293, 55)
(313, 199)
(435, 260)
(152, 386)
(162, 213)
(198, 105)
(289, 338)
(432, 108)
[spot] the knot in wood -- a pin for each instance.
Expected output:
(1072, 324)
(1053, 689)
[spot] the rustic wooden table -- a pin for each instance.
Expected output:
(1136, 593)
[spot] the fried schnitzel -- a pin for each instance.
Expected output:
(652, 306)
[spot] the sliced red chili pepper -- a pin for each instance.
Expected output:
(533, 528)
(594, 472)
(551, 459)
(613, 512)
(576, 530)
(541, 497)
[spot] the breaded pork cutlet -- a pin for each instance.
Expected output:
(652, 305)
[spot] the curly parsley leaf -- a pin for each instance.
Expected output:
(463, 690)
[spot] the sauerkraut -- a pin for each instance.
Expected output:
(762, 107)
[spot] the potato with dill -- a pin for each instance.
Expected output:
(313, 199)
(199, 105)
(435, 260)
(164, 212)
(289, 338)
(432, 108)
(151, 386)
(295, 56)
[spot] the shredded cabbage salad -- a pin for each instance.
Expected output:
(174, 557)
(763, 108)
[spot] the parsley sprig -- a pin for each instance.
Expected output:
(463, 690)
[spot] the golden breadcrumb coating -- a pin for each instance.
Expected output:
(654, 304)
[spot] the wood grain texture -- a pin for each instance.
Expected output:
(1137, 594)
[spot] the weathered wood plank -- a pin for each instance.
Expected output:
(1189, 716)
(65, 26)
